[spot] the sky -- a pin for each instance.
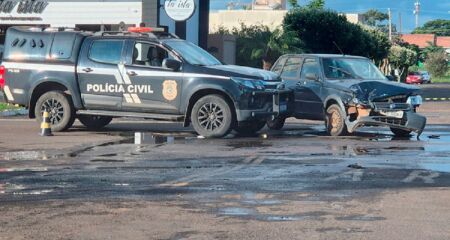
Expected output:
(430, 9)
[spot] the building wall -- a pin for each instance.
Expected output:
(149, 12)
(272, 18)
(233, 18)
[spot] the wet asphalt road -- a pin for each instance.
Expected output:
(296, 183)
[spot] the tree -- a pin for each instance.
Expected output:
(321, 30)
(401, 58)
(436, 63)
(373, 17)
(316, 4)
(293, 3)
(440, 27)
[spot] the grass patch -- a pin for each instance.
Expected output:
(443, 79)
(6, 106)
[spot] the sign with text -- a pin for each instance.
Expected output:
(24, 6)
(179, 10)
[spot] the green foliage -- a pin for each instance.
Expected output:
(257, 42)
(316, 4)
(436, 63)
(293, 3)
(402, 58)
(440, 27)
(431, 48)
(373, 17)
(319, 29)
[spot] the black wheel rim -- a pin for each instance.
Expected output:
(210, 116)
(55, 110)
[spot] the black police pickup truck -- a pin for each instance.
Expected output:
(139, 73)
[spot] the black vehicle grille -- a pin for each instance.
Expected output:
(389, 120)
(392, 106)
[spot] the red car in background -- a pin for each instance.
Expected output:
(414, 78)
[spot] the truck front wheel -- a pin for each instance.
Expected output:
(60, 108)
(211, 116)
(276, 124)
(94, 122)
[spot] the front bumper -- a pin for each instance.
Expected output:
(410, 121)
(272, 103)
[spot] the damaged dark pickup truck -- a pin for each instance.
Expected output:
(347, 92)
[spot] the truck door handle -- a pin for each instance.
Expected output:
(132, 73)
(87, 70)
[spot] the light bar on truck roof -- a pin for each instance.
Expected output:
(144, 29)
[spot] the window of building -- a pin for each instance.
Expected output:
(106, 51)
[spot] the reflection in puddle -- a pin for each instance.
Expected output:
(249, 144)
(235, 211)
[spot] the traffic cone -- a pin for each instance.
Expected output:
(46, 129)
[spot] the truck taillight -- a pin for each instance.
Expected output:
(2, 77)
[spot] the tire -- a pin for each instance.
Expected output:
(335, 121)
(211, 116)
(94, 122)
(400, 132)
(276, 124)
(249, 128)
(62, 112)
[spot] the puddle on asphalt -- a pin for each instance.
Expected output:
(235, 211)
(248, 144)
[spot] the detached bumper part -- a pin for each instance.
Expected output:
(411, 121)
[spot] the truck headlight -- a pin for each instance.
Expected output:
(415, 100)
(249, 83)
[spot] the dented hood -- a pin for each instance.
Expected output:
(373, 90)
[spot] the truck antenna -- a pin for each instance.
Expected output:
(337, 46)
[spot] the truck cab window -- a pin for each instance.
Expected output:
(106, 51)
(150, 55)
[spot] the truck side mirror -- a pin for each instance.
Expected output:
(312, 76)
(171, 64)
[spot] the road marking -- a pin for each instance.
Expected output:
(355, 175)
(185, 181)
(437, 99)
(426, 176)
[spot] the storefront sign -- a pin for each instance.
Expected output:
(179, 10)
(24, 6)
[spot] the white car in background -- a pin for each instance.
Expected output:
(425, 76)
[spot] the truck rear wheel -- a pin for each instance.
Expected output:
(211, 116)
(60, 108)
(94, 122)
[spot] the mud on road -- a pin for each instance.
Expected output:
(290, 184)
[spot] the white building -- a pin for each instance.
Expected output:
(95, 15)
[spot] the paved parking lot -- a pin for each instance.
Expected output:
(291, 184)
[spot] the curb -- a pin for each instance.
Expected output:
(15, 112)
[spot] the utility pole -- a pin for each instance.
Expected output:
(390, 24)
(416, 12)
(400, 23)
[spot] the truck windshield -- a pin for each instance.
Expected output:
(193, 54)
(351, 68)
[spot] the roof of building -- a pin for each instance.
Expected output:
(420, 40)
(443, 41)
